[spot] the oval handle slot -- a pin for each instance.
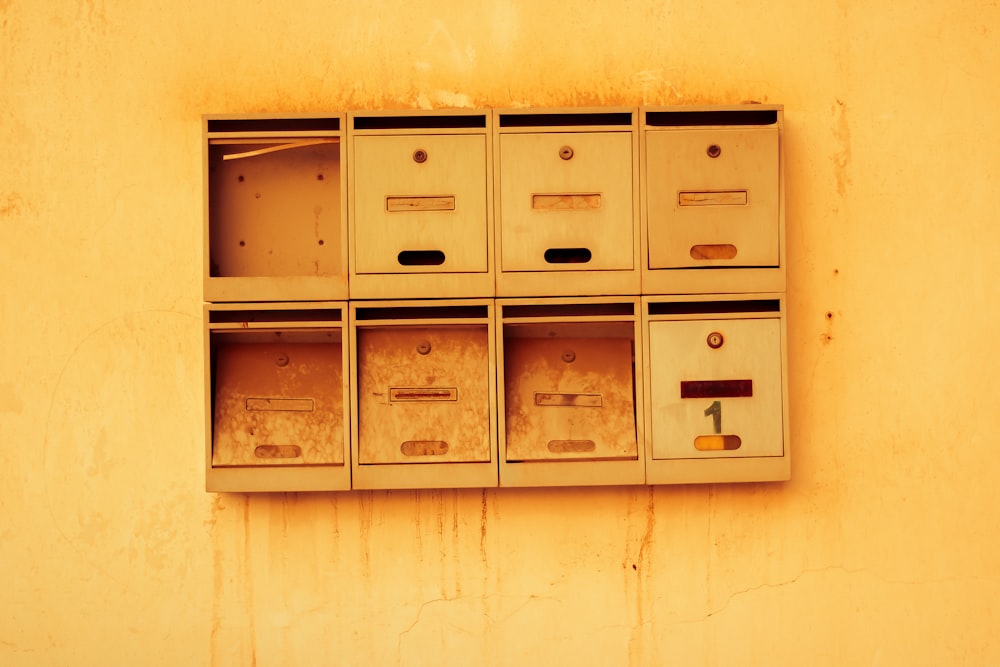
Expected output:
(424, 448)
(717, 443)
(277, 451)
(713, 251)
(421, 258)
(568, 255)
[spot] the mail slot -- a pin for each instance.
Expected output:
(715, 379)
(276, 223)
(712, 199)
(425, 394)
(277, 397)
(569, 392)
(567, 202)
(421, 213)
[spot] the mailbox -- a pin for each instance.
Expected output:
(717, 398)
(567, 211)
(275, 210)
(569, 388)
(421, 213)
(713, 200)
(424, 387)
(276, 387)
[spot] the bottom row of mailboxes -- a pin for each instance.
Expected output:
(508, 392)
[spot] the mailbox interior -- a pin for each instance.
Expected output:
(275, 209)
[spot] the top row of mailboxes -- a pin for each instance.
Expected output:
(480, 203)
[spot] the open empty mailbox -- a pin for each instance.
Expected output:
(567, 203)
(421, 205)
(276, 214)
(424, 388)
(569, 389)
(276, 387)
(713, 200)
(717, 396)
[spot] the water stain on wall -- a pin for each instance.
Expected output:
(841, 158)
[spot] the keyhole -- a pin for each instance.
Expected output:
(424, 348)
(281, 361)
(715, 340)
(569, 356)
(566, 152)
(714, 151)
(420, 156)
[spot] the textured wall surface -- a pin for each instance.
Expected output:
(882, 550)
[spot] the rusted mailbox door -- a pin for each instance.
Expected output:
(569, 397)
(423, 394)
(278, 402)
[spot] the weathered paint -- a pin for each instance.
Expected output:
(882, 548)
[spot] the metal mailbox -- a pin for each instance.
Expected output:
(276, 214)
(421, 213)
(569, 387)
(567, 211)
(424, 389)
(717, 398)
(276, 387)
(713, 200)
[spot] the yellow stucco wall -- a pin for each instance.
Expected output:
(882, 550)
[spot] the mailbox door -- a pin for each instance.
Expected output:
(423, 394)
(712, 198)
(278, 404)
(716, 388)
(420, 203)
(274, 208)
(569, 398)
(566, 201)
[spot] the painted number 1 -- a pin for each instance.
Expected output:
(715, 409)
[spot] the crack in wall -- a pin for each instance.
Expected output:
(490, 621)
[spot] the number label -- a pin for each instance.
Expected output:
(715, 409)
